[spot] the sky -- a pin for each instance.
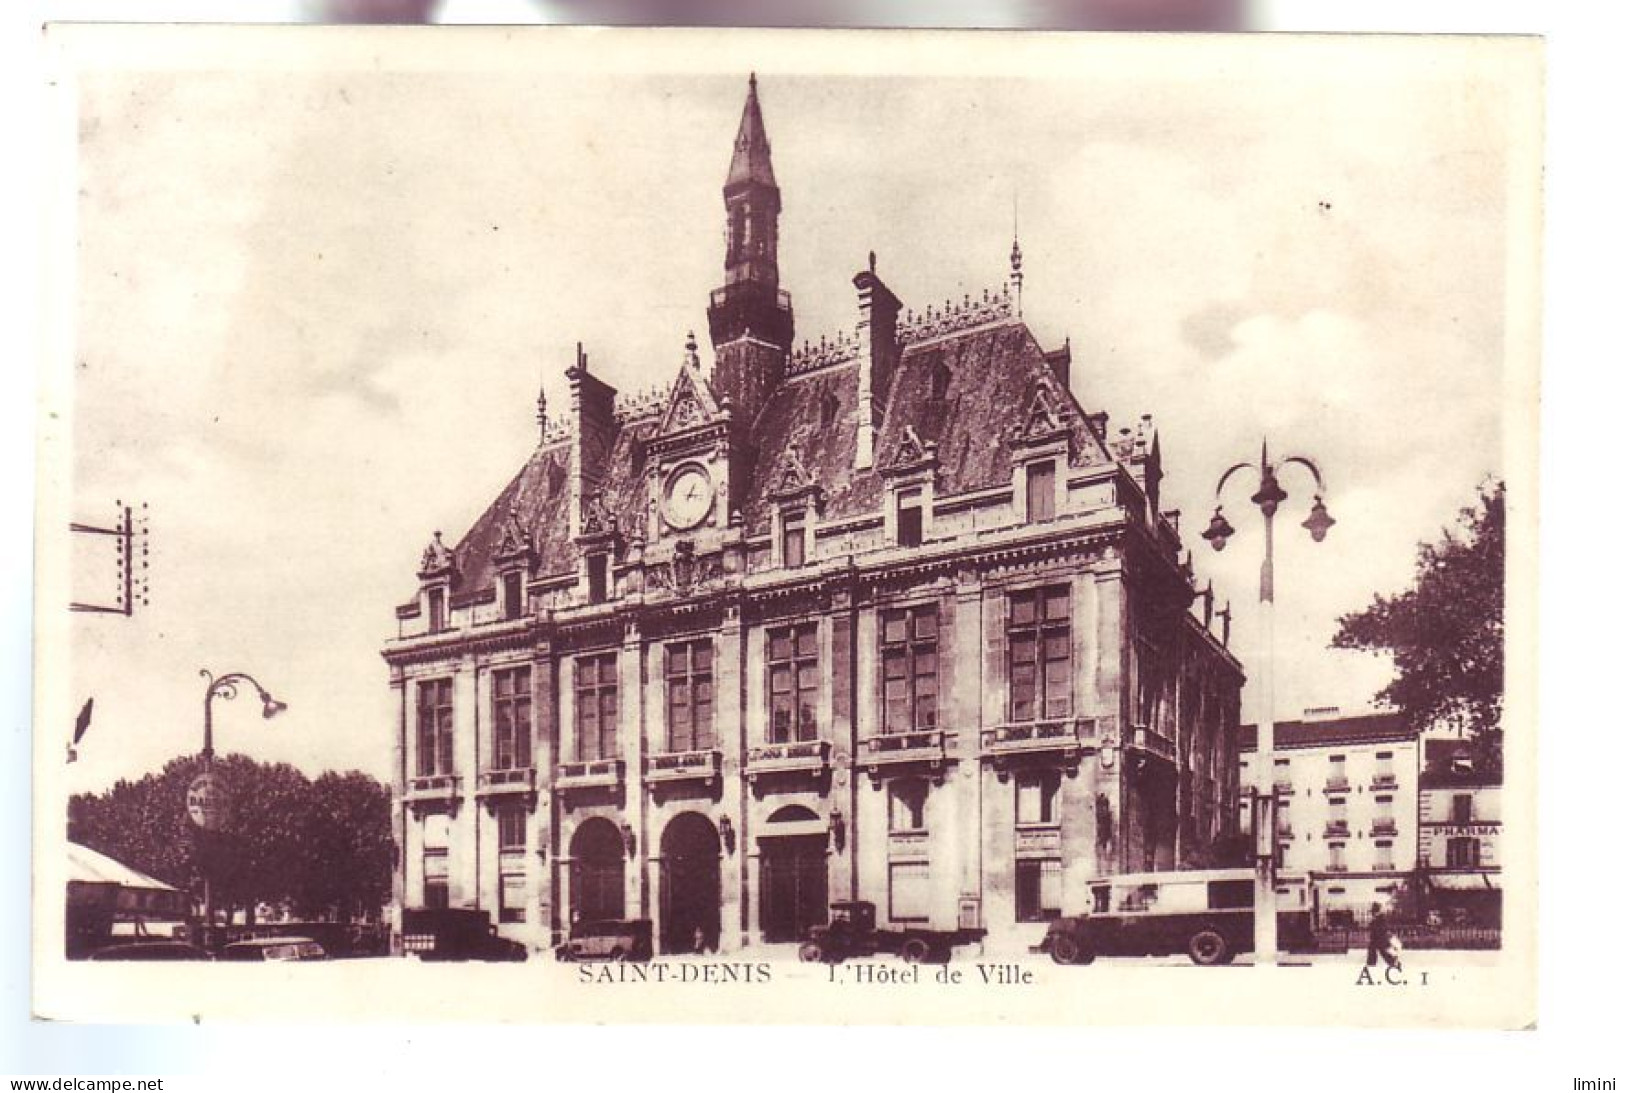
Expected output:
(313, 307)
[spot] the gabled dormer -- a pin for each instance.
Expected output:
(797, 501)
(436, 572)
(910, 474)
(1041, 449)
(513, 559)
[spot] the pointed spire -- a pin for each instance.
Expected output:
(691, 352)
(1015, 249)
(541, 411)
(753, 161)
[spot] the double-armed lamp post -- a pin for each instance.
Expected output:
(206, 798)
(1268, 499)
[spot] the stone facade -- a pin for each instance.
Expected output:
(887, 616)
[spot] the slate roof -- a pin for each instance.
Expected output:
(1367, 728)
(994, 372)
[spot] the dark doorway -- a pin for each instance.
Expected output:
(597, 873)
(795, 876)
(690, 885)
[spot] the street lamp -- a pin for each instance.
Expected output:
(1219, 531)
(206, 802)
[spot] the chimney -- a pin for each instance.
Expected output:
(877, 357)
(592, 402)
(1060, 363)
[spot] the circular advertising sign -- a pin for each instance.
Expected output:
(207, 803)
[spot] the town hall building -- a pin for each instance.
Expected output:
(885, 615)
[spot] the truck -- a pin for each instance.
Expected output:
(1205, 913)
(455, 934)
(851, 932)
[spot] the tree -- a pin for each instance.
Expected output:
(322, 847)
(1446, 633)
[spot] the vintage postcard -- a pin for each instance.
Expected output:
(725, 526)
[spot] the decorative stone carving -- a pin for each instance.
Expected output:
(438, 559)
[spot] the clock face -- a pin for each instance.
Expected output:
(688, 498)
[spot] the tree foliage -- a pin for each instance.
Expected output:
(320, 849)
(1446, 633)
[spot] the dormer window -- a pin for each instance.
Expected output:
(513, 595)
(826, 410)
(1040, 491)
(910, 519)
(597, 578)
(436, 598)
(940, 376)
(795, 540)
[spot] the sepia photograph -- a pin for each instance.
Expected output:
(860, 527)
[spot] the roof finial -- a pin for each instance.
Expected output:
(691, 351)
(541, 410)
(1015, 248)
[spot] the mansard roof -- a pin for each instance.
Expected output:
(995, 373)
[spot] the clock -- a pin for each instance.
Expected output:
(688, 497)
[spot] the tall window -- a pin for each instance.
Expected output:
(1461, 852)
(1384, 858)
(795, 540)
(1338, 776)
(908, 656)
(1038, 889)
(1283, 774)
(434, 727)
(1035, 797)
(792, 683)
(1337, 810)
(511, 828)
(597, 578)
(437, 610)
(510, 718)
(596, 694)
(1385, 766)
(1040, 653)
(1335, 859)
(1041, 491)
(910, 519)
(513, 595)
(688, 695)
(905, 799)
(1461, 808)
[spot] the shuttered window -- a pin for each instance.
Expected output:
(910, 891)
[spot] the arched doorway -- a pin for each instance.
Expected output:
(795, 873)
(690, 885)
(597, 873)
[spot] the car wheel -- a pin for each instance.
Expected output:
(563, 954)
(811, 952)
(916, 950)
(1208, 946)
(617, 955)
(1065, 949)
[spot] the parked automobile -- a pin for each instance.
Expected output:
(851, 932)
(151, 950)
(610, 939)
(455, 934)
(274, 948)
(1205, 913)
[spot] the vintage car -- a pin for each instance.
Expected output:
(1204, 913)
(448, 933)
(609, 939)
(851, 932)
(151, 950)
(274, 948)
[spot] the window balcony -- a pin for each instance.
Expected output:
(703, 765)
(1037, 737)
(1337, 829)
(1385, 826)
(512, 780)
(1284, 789)
(1383, 867)
(1337, 867)
(1150, 743)
(1385, 781)
(1283, 831)
(798, 757)
(433, 787)
(889, 749)
(1337, 783)
(607, 774)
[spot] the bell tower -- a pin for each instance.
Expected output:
(750, 317)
